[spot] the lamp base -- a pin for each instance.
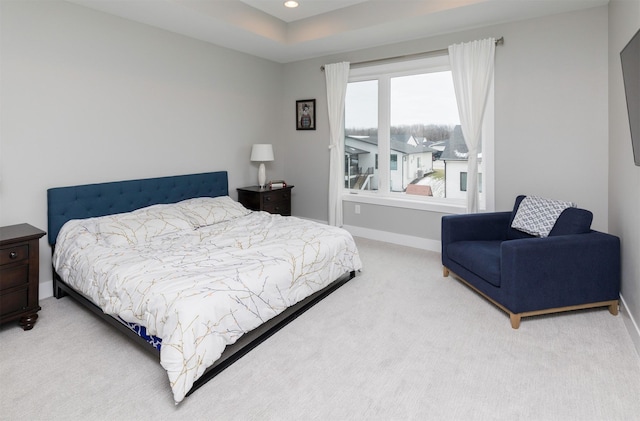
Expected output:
(262, 176)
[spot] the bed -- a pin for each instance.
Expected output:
(188, 273)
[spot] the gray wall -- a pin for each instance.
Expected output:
(561, 129)
(88, 97)
(550, 125)
(624, 176)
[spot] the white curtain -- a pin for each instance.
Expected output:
(337, 76)
(472, 66)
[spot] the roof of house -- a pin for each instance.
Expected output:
(456, 148)
(354, 151)
(398, 144)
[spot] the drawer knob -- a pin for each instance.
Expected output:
(13, 255)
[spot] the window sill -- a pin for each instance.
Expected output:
(450, 206)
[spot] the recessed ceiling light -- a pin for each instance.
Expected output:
(291, 4)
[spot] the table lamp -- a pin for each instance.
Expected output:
(262, 152)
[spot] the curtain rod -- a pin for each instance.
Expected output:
(499, 41)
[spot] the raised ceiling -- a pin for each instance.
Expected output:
(265, 28)
(307, 9)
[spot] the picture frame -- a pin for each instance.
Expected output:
(306, 114)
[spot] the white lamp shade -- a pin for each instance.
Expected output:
(262, 152)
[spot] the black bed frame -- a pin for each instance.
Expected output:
(233, 352)
(77, 202)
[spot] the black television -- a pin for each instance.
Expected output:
(630, 57)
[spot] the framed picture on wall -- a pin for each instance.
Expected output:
(306, 114)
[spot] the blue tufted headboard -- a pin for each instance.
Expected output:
(91, 200)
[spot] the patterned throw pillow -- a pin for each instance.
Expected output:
(537, 215)
(140, 226)
(204, 211)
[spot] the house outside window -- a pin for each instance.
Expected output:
(463, 181)
(403, 119)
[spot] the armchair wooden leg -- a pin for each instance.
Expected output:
(515, 320)
(613, 308)
(445, 271)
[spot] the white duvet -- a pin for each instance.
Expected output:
(200, 273)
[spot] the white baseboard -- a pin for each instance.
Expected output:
(389, 237)
(631, 324)
(393, 238)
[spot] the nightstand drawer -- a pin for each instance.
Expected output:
(283, 208)
(19, 274)
(13, 276)
(14, 301)
(276, 196)
(273, 201)
(13, 254)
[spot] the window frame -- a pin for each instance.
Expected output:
(463, 181)
(384, 196)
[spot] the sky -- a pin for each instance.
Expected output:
(417, 99)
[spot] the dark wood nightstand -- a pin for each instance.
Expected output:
(272, 201)
(19, 268)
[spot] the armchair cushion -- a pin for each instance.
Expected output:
(537, 215)
(480, 257)
(572, 221)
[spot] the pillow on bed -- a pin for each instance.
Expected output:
(140, 226)
(203, 211)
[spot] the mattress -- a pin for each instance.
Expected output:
(199, 273)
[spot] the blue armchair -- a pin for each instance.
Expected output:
(573, 268)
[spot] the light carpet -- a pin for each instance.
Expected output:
(398, 342)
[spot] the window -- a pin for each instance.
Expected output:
(402, 128)
(393, 162)
(463, 182)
